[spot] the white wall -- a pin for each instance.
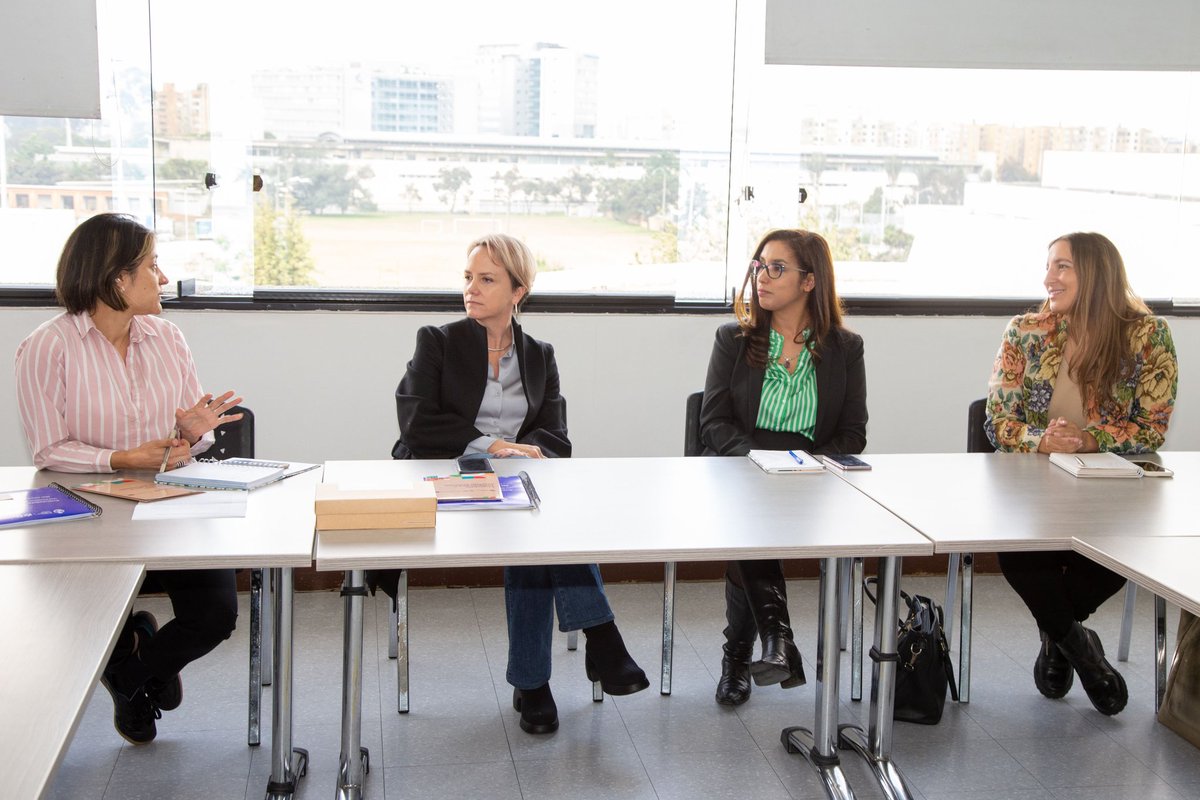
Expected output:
(322, 383)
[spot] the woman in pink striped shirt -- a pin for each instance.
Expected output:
(108, 385)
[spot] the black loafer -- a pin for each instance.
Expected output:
(133, 716)
(1052, 672)
(539, 714)
(168, 694)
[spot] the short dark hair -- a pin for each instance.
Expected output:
(95, 255)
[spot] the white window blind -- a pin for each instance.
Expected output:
(1015, 34)
(49, 62)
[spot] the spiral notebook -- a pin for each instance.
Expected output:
(53, 503)
(233, 473)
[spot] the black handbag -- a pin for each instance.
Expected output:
(923, 666)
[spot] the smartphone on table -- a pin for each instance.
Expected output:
(844, 462)
(1152, 469)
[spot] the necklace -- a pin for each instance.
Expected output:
(505, 347)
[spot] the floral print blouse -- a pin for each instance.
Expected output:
(1026, 368)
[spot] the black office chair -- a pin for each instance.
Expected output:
(236, 440)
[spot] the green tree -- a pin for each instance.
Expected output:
(178, 169)
(450, 180)
(281, 253)
(511, 181)
(318, 183)
(412, 195)
(576, 188)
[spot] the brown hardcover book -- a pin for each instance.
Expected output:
(134, 489)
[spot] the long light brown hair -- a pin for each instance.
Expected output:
(1102, 318)
(811, 252)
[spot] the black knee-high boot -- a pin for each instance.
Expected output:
(767, 592)
(733, 688)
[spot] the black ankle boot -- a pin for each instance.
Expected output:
(1104, 685)
(1052, 673)
(539, 714)
(780, 661)
(733, 688)
(606, 660)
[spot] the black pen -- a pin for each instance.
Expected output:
(527, 482)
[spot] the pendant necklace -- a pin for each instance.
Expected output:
(501, 349)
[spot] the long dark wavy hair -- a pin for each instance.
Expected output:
(811, 252)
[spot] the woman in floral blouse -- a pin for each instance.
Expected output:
(1093, 370)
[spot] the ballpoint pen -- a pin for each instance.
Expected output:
(527, 482)
(795, 457)
(167, 451)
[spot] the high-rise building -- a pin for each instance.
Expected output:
(181, 113)
(537, 90)
(411, 103)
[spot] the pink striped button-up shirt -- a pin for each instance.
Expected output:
(79, 402)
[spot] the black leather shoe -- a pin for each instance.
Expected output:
(1052, 672)
(133, 714)
(606, 660)
(539, 714)
(1104, 685)
(168, 694)
(733, 688)
(780, 663)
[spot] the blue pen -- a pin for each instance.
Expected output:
(795, 457)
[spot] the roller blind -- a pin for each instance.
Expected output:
(1013, 34)
(49, 62)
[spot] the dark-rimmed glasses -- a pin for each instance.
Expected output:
(774, 269)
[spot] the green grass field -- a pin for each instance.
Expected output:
(428, 251)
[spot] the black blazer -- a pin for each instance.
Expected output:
(733, 392)
(439, 396)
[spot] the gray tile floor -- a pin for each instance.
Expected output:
(461, 739)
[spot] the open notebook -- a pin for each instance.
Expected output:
(233, 473)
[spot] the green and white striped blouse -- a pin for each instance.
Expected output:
(789, 399)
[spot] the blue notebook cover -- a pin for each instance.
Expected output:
(514, 498)
(53, 503)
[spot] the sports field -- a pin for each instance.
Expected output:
(428, 251)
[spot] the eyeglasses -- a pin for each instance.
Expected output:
(774, 269)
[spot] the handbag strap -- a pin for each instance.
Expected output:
(908, 601)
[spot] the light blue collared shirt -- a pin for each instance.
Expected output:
(503, 407)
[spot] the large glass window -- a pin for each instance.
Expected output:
(46, 163)
(388, 136)
(952, 182)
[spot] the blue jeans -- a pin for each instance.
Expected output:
(531, 596)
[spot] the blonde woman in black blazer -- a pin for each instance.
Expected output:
(788, 336)
(462, 393)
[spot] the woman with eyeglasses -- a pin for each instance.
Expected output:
(483, 385)
(786, 375)
(1092, 371)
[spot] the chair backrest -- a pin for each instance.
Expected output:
(977, 438)
(692, 446)
(234, 439)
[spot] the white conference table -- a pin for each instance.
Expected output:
(1012, 502)
(276, 533)
(621, 510)
(49, 610)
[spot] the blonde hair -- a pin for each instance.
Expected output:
(512, 254)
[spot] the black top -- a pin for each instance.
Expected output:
(733, 391)
(439, 396)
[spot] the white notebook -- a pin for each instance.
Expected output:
(1095, 465)
(784, 461)
(233, 473)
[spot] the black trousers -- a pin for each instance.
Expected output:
(1059, 587)
(736, 572)
(205, 605)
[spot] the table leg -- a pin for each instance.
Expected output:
(856, 628)
(819, 746)
(353, 761)
(258, 642)
(288, 764)
(876, 745)
(1160, 651)
(668, 629)
(964, 632)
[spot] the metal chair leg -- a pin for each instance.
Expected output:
(400, 630)
(393, 633)
(843, 610)
(1127, 621)
(668, 629)
(1160, 650)
(268, 624)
